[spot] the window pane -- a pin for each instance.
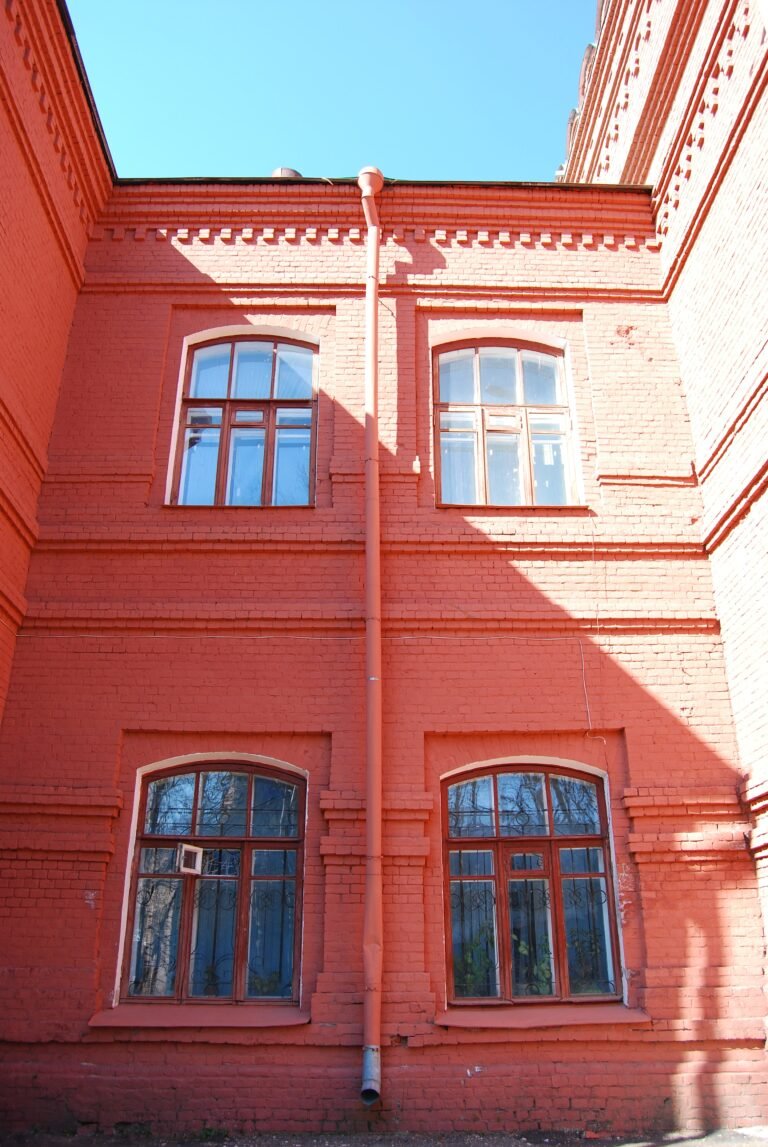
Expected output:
(222, 804)
(198, 467)
(470, 808)
(210, 370)
(590, 965)
(253, 370)
(464, 863)
(275, 809)
(221, 862)
(473, 935)
(169, 805)
(581, 860)
(155, 938)
(549, 464)
(246, 468)
(294, 372)
(574, 807)
(291, 478)
(274, 862)
(213, 938)
(458, 468)
(522, 805)
(502, 459)
(533, 972)
(270, 938)
(497, 376)
(456, 373)
(457, 420)
(157, 860)
(294, 416)
(540, 379)
(526, 861)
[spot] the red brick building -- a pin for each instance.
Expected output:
(384, 631)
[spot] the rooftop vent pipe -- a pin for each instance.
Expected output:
(286, 173)
(371, 182)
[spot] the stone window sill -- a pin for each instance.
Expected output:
(199, 1016)
(528, 1017)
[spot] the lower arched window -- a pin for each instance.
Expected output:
(215, 894)
(529, 899)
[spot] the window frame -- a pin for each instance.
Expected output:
(247, 843)
(561, 411)
(230, 406)
(502, 846)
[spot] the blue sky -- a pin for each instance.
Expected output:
(423, 89)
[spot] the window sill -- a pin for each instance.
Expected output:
(541, 1016)
(517, 511)
(199, 1016)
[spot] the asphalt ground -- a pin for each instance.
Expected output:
(137, 1137)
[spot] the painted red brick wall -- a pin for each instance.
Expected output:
(52, 181)
(586, 635)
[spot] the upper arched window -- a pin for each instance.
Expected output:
(247, 430)
(529, 900)
(502, 427)
(215, 894)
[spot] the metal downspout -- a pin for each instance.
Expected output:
(371, 181)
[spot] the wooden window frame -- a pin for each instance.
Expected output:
(230, 407)
(519, 410)
(247, 844)
(550, 845)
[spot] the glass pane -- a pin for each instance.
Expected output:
(246, 468)
(291, 478)
(581, 860)
(549, 466)
(270, 938)
(275, 809)
(533, 970)
(526, 861)
(222, 804)
(199, 463)
(253, 370)
(458, 468)
(249, 416)
(457, 420)
(221, 862)
(157, 860)
(540, 379)
(210, 371)
(456, 374)
(155, 938)
(294, 372)
(274, 862)
(522, 805)
(470, 808)
(471, 863)
(473, 937)
(213, 938)
(502, 452)
(590, 965)
(169, 805)
(574, 806)
(497, 376)
(294, 416)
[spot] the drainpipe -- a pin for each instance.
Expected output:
(371, 181)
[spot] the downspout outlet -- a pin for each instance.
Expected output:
(371, 1089)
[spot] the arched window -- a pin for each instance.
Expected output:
(247, 431)
(502, 427)
(216, 890)
(529, 898)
